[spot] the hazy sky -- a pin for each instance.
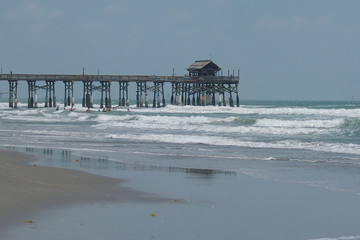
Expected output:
(301, 50)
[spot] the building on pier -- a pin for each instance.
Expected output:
(203, 68)
(203, 84)
(201, 87)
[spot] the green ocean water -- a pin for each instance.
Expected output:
(302, 159)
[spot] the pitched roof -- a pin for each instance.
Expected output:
(200, 64)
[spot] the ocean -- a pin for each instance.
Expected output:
(313, 145)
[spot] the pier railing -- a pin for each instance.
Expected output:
(185, 90)
(127, 78)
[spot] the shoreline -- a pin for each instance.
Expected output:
(26, 190)
(86, 206)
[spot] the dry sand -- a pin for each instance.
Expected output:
(26, 189)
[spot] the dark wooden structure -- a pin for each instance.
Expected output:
(203, 68)
(200, 87)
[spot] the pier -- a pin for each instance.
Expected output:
(201, 87)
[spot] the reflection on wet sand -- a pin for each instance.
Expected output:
(69, 160)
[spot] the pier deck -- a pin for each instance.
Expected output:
(201, 89)
(126, 78)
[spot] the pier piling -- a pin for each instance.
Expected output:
(123, 92)
(87, 94)
(69, 99)
(146, 96)
(32, 94)
(202, 86)
(13, 93)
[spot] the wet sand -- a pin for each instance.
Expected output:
(71, 204)
(26, 189)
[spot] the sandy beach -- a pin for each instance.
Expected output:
(40, 202)
(26, 189)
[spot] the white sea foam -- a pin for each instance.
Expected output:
(302, 111)
(205, 124)
(190, 123)
(242, 110)
(225, 141)
(44, 115)
(312, 123)
(213, 129)
(246, 110)
(339, 238)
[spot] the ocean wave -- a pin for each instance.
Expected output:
(220, 124)
(184, 120)
(44, 115)
(312, 123)
(339, 238)
(351, 127)
(197, 111)
(212, 125)
(237, 121)
(220, 121)
(355, 113)
(256, 110)
(242, 110)
(350, 122)
(183, 125)
(226, 141)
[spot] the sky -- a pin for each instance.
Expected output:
(285, 49)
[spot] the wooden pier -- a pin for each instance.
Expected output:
(199, 88)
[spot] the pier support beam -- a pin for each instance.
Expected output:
(32, 94)
(54, 97)
(69, 94)
(124, 94)
(102, 95)
(231, 101)
(163, 94)
(127, 95)
(146, 96)
(137, 95)
(188, 88)
(87, 100)
(158, 89)
(182, 94)
(213, 101)
(178, 93)
(13, 84)
(193, 89)
(50, 90)
(105, 89)
(155, 90)
(237, 96)
(140, 89)
(222, 90)
(108, 102)
(172, 93)
(175, 93)
(35, 101)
